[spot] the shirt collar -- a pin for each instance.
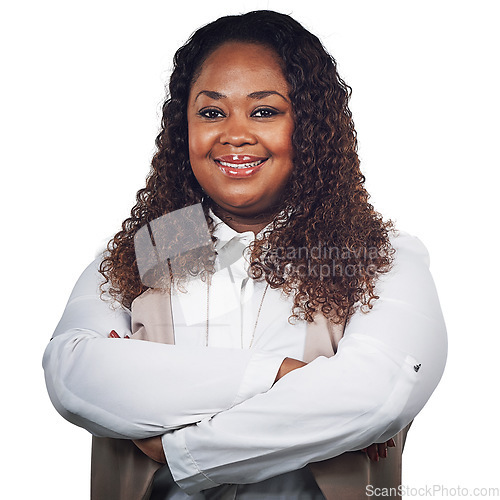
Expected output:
(225, 234)
(231, 246)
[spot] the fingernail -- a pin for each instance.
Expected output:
(113, 335)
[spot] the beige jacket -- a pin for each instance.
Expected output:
(120, 471)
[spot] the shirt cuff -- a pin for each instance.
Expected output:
(182, 466)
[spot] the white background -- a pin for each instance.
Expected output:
(81, 88)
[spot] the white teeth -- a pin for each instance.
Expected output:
(240, 165)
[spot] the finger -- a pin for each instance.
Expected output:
(391, 443)
(382, 450)
(372, 452)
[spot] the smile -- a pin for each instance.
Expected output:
(239, 165)
(242, 165)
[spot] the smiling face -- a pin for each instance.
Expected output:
(240, 126)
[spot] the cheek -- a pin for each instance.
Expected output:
(286, 152)
(200, 141)
(195, 142)
(284, 144)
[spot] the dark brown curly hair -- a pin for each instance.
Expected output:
(327, 245)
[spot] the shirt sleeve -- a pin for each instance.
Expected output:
(387, 365)
(132, 389)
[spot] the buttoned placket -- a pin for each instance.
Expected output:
(234, 255)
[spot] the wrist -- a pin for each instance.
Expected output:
(288, 365)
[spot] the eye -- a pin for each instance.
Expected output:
(265, 113)
(211, 113)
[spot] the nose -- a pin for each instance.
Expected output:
(237, 132)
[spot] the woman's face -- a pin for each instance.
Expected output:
(240, 125)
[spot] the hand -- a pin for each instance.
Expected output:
(288, 365)
(152, 447)
(379, 450)
(114, 335)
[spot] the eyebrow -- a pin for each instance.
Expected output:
(212, 94)
(265, 93)
(254, 95)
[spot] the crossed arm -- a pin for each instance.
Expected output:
(153, 447)
(365, 394)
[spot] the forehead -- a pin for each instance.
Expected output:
(238, 67)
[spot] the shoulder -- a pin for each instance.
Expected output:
(408, 246)
(89, 281)
(409, 280)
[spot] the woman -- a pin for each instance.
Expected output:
(256, 134)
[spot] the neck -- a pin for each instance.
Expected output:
(242, 223)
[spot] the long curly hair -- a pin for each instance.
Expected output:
(326, 245)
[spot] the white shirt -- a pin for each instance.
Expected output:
(247, 430)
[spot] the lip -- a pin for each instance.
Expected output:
(239, 159)
(230, 165)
